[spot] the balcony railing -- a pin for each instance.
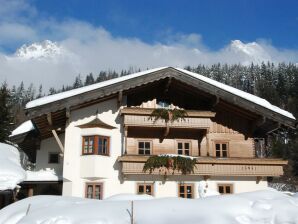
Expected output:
(133, 120)
(141, 117)
(207, 166)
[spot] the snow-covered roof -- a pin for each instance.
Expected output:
(250, 97)
(11, 171)
(23, 128)
(74, 92)
(42, 175)
(247, 96)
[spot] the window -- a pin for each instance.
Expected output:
(88, 145)
(185, 190)
(103, 145)
(144, 147)
(53, 157)
(94, 190)
(183, 148)
(96, 145)
(145, 189)
(221, 149)
(163, 104)
(225, 188)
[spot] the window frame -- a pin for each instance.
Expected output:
(185, 185)
(94, 184)
(224, 185)
(52, 153)
(221, 142)
(183, 144)
(95, 150)
(163, 102)
(151, 146)
(144, 185)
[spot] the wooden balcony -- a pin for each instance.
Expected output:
(208, 166)
(141, 117)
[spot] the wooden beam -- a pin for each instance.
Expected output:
(125, 139)
(58, 140)
(120, 97)
(50, 121)
(216, 101)
(67, 112)
(166, 89)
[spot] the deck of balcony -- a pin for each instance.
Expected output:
(209, 166)
(141, 117)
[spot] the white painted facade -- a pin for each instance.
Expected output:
(48, 146)
(80, 169)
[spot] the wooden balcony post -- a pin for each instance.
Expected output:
(125, 139)
(30, 191)
(207, 142)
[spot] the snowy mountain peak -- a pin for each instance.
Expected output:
(44, 49)
(249, 52)
(249, 48)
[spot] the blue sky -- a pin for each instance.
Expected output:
(90, 36)
(217, 21)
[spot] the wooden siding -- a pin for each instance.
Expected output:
(146, 121)
(214, 167)
(168, 146)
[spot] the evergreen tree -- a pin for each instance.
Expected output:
(78, 82)
(5, 116)
(89, 80)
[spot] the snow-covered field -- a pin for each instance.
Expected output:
(247, 208)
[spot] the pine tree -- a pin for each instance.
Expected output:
(89, 80)
(78, 82)
(40, 94)
(5, 116)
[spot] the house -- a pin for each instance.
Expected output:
(97, 138)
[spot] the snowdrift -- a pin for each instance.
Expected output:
(11, 171)
(247, 208)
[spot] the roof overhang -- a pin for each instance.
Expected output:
(123, 85)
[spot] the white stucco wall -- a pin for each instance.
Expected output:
(42, 155)
(80, 169)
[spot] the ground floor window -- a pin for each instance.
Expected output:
(225, 188)
(94, 190)
(185, 190)
(145, 188)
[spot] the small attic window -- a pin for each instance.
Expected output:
(163, 104)
(53, 157)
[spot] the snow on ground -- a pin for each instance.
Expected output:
(11, 171)
(47, 174)
(204, 191)
(23, 128)
(129, 197)
(258, 207)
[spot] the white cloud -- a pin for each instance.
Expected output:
(87, 48)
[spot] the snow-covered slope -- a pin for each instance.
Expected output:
(11, 171)
(39, 50)
(266, 207)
